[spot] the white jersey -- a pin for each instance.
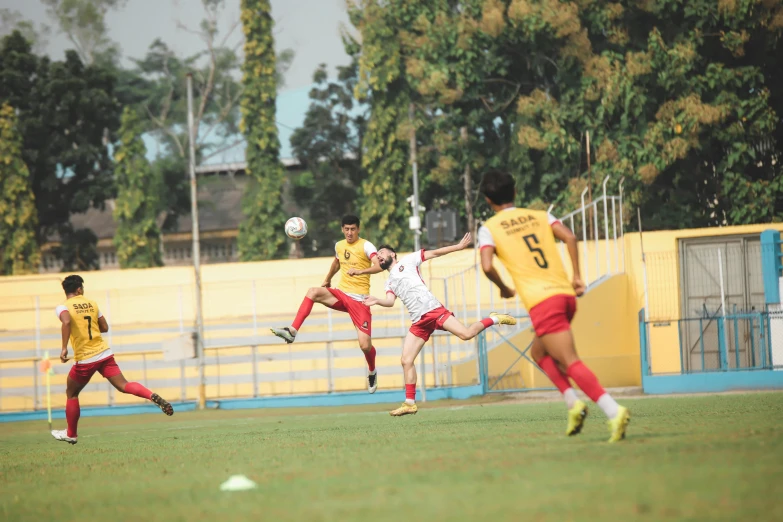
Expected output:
(406, 283)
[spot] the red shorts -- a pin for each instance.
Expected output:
(553, 315)
(82, 373)
(359, 312)
(429, 322)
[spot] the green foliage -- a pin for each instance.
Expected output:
(84, 22)
(328, 146)
(261, 233)
(67, 117)
(11, 21)
(19, 253)
(138, 236)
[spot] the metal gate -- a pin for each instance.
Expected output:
(720, 276)
(508, 381)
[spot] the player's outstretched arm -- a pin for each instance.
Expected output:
(332, 270)
(462, 245)
(564, 234)
(65, 319)
(103, 324)
(487, 253)
(388, 301)
(375, 268)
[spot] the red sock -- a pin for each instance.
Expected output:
(487, 322)
(586, 380)
(370, 356)
(551, 370)
(72, 414)
(304, 310)
(410, 392)
(138, 390)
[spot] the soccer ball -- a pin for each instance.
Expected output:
(296, 228)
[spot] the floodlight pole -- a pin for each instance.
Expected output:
(415, 224)
(196, 247)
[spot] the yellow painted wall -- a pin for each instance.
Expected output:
(605, 332)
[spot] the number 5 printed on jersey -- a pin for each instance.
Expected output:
(532, 244)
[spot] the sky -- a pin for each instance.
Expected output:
(310, 27)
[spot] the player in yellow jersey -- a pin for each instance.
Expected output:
(82, 324)
(524, 241)
(356, 259)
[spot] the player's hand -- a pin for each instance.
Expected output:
(371, 300)
(465, 242)
(579, 286)
(354, 272)
(507, 293)
(326, 284)
(64, 355)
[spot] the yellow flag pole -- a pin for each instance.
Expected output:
(48, 390)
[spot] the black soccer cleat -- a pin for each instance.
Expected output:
(163, 404)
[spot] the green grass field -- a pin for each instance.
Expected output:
(688, 458)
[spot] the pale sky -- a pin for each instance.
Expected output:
(310, 27)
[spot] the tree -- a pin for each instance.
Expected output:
(138, 237)
(328, 146)
(11, 21)
(19, 252)
(84, 23)
(67, 117)
(261, 233)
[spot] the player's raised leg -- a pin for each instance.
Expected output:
(365, 343)
(577, 409)
(410, 350)
(561, 347)
(454, 326)
(72, 411)
(314, 295)
(133, 388)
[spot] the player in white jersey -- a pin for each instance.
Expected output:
(427, 313)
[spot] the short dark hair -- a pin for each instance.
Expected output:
(498, 186)
(72, 283)
(387, 247)
(350, 219)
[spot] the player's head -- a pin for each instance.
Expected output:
(73, 284)
(386, 256)
(350, 225)
(498, 187)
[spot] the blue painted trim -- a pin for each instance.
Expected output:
(294, 401)
(713, 382)
(101, 411)
(349, 398)
(771, 265)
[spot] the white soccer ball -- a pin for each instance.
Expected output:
(296, 228)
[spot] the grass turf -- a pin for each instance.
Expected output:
(686, 458)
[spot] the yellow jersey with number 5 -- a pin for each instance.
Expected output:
(86, 339)
(525, 244)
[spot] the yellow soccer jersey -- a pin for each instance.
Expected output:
(525, 244)
(86, 339)
(357, 255)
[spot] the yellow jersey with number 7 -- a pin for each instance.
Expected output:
(526, 246)
(86, 339)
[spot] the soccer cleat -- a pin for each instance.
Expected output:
(503, 318)
(288, 334)
(62, 435)
(372, 382)
(576, 418)
(405, 409)
(163, 404)
(618, 424)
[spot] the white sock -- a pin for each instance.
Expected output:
(410, 402)
(374, 371)
(570, 397)
(609, 405)
(495, 320)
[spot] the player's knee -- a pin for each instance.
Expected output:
(406, 361)
(312, 293)
(465, 336)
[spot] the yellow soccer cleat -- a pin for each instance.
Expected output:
(576, 418)
(618, 424)
(405, 409)
(503, 318)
